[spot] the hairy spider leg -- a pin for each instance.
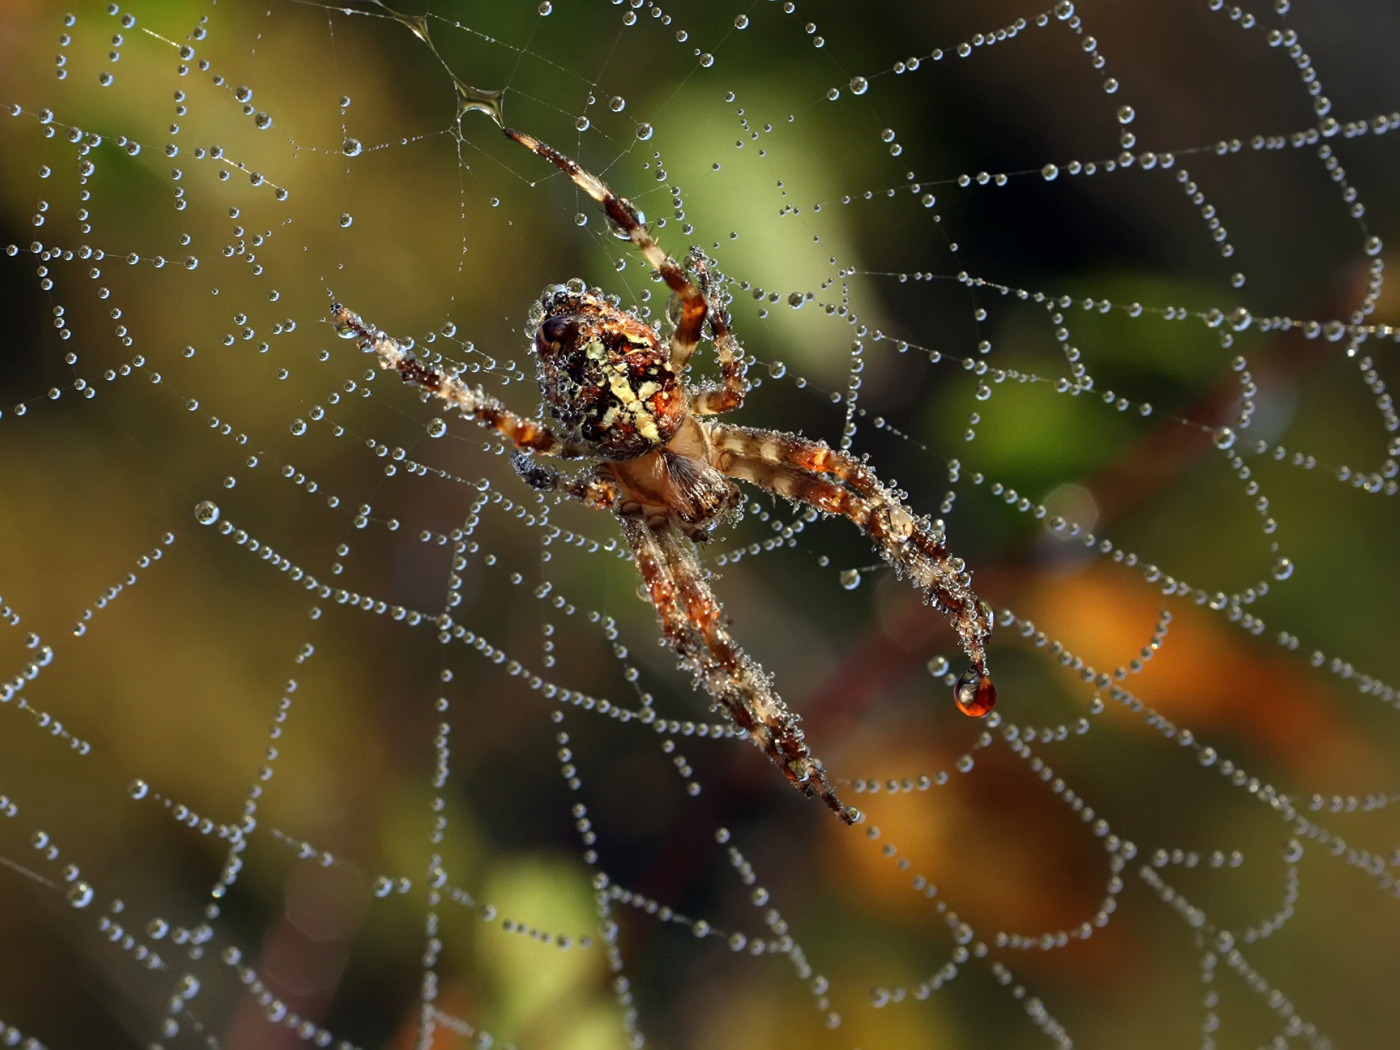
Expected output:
(470, 400)
(732, 365)
(794, 466)
(620, 210)
(693, 623)
(597, 491)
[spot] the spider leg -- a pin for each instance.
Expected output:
(692, 621)
(470, 400)
(598, 490)
(802, 469)
(627, 219)
(732, 365)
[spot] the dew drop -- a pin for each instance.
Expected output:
(1049, 173)
(617, 103)
(346, 220)
(1223, 437)
(138, 789)
(80, 894)
(545, 9)
(436, 427)
(206, 512)
(644, 131)
(741, 21)
(352, 147)
(1282, 568)
(974, 694)
(859, 85)
(850, 579)
(938, 666)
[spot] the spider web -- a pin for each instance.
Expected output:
(320, 727)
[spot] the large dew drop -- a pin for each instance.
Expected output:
(974, 694)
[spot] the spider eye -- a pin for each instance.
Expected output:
(555, 331)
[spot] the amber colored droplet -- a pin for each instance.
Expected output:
(974, 694)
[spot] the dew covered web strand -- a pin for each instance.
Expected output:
(323, 726)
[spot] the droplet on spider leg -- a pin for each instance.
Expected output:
(621, 232)
(974, 694)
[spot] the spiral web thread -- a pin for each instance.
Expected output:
(323, 727)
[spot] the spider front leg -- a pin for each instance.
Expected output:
(692, 621)
(630, 221)
(471, 401)
(693, 300)
(802, 470)
(598, 491)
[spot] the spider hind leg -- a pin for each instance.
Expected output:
(692, 622)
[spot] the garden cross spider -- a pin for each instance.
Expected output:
(664, 467)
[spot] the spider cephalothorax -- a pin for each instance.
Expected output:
(604, 374)
(664, 466)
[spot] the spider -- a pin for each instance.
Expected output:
(666, 468)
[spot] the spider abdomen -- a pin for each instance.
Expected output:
(605, 375)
